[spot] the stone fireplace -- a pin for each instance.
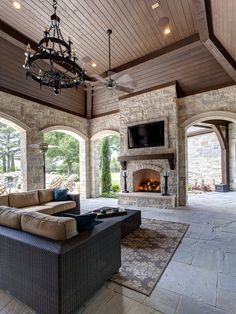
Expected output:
(147, 180)
(145, 166)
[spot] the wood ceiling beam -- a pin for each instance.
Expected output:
(14, 33)
(154, 54)
(203, 18)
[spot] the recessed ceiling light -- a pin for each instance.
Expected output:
(167, 31)
(16, 4)
(155, 5)
(94, 65)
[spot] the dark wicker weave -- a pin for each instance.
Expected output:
(76, 199)
(58, 276)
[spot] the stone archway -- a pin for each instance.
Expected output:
(24, 131)
(95, 159)
(182, 151)
(84, 155)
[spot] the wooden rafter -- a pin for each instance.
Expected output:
(202, 11)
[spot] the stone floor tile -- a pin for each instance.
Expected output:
(139, 297)
(189, 306)
(97, 301)
(5, 298)
(185, 251)
(120, 304)
(227, 300)
(227, 282)
(163, 300)
(16, 307)
(206, 258)
(227, 263)
(197, 283)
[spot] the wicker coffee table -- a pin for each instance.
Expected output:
(128, 222)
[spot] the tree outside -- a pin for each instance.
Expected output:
(109, 166)
(63, 159)
(9, 156)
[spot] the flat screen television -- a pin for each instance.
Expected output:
(146, 135)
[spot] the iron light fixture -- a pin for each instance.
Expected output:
(59, 69)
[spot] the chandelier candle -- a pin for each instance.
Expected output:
(59, 69)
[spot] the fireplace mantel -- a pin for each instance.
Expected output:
(170, 156)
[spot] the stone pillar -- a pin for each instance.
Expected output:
(84, 169)
(182, 167)
(33, 168)
(232, 156)
(94, 165)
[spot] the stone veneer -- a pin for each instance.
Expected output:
(32, 119)
(145, 108)
(204, 160)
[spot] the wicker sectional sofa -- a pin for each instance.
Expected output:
(54, 276)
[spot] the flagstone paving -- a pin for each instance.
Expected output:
(201, 277)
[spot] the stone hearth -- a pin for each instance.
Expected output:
(146, 199)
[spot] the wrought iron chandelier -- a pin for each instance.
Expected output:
(59, 69)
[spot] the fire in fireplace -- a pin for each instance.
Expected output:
(150, 185)
(146, 180)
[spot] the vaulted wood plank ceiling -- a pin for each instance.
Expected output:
(134, 24)
(224, 23)
(139, 45)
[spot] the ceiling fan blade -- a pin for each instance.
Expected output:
(124, 79)
(125, 88)
(99, 78)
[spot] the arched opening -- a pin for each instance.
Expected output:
(13, 176)
(105, 147)
(66, 159)
(210, 154)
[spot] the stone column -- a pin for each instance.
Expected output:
(33, 168)
(182, 167)
(84, 170)
(94, 165)
(232, 156)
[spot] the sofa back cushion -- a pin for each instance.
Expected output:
(56, 228)
(45, 196)
(10, 217)
(23, 199)
(4, 200)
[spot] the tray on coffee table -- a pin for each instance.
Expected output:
(110, 212)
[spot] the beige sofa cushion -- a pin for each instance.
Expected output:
(56, 228)
(61, 206)
(23, 199)
(10, 217)
(45, 195)
(38, 208)
(4, 200)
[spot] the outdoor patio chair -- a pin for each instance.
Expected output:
(70, 182)
(3, 190)
(56, 182)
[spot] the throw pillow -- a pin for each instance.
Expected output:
(84, 222)
(60, 194)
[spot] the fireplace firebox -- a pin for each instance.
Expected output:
(146, 180)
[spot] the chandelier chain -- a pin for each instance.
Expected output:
(54, 6)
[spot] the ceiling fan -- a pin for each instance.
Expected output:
(123, 83)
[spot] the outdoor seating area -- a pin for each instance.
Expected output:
(117, 157)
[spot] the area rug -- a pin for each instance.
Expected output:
(146, 252)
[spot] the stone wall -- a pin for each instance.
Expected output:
(232, 156)
(204, 160)
(217, 104)
(33, 119)
(153, 106)
(99, 128)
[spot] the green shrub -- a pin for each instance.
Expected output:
(115, 188)
(109, 195)
(190, 187)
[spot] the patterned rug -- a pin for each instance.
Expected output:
(146, 252)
